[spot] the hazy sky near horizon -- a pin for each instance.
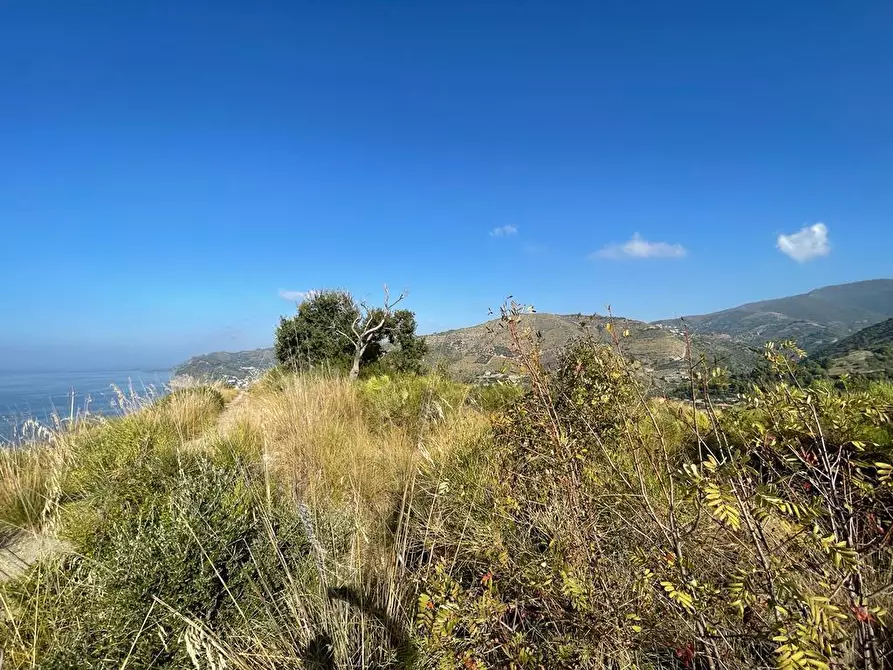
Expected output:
(170, 170)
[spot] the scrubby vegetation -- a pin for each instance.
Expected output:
(410, 521)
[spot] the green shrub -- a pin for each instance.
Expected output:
(178, 541)
(505, 532)
(593, 388)
(411, 400)
(103, 456)
(602, 530)
(495, 397)
(881, 392)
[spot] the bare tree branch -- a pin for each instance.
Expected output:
(365, 328)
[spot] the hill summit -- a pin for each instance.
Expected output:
(814, 319)
(484, 350)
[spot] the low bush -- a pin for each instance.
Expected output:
(178, 544)
(586, 537)
(411, 401)
(495, 397)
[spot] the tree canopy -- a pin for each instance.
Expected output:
(332, 329)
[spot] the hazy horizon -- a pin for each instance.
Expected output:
(95, 358)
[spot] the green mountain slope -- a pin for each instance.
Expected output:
(868, 353)
(813, 319)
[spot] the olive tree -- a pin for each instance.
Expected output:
(331, 328)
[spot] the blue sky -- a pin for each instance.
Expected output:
(168, 168)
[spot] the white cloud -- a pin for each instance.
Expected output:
(296, 296)
(504, 231)
(807, 243)
(638, 247)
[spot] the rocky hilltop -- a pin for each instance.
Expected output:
(484, 351)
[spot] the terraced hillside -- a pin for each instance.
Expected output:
(813, 319)
(868, 353)
(483, 350)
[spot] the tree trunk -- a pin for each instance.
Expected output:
(355, 368)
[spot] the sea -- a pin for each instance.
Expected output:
(46, 397)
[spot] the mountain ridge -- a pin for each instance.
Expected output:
(483, 351)
(814, 319)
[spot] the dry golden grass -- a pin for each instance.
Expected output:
(189, 413)
(348, 453)
(26, 477)
(329, 439)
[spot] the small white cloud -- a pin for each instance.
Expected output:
(638, 247)
(296, 296)
(807, 243)
(504, 231)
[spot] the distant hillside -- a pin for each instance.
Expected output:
(813, 319)
(474, 352)
(868, 352)
(232, 367)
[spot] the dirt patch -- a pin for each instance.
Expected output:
(230, 416)
(226, 422)
(22, 551)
